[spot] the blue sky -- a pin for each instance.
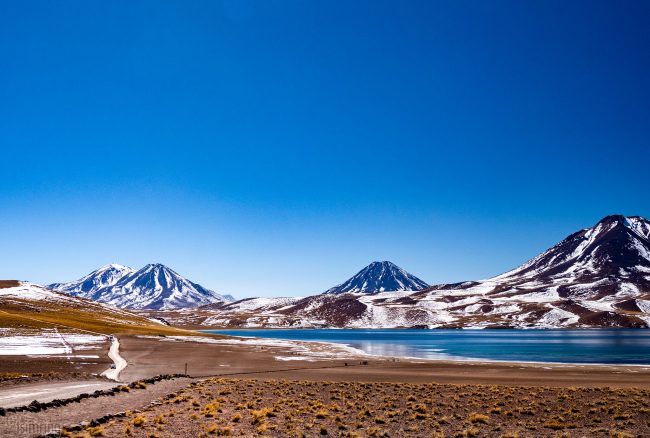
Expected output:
(277, 147)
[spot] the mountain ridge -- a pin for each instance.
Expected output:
(596, 277)
(153, 287)
(106, 275)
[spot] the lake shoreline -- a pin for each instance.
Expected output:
(150, 356)
(440, 354)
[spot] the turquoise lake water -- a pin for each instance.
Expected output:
(602, 346)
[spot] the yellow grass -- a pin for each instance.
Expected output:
(25, 314)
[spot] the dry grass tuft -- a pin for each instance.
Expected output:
(478, 418)
(285, 408)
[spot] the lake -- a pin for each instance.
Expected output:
(601, 346)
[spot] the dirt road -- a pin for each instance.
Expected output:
(21, 395)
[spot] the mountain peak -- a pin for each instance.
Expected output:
(105, 276)
(613, 218)
(382, 263)
(632, 222)
(380, 277)
(114, 266)
(637, 224)
(156, 266)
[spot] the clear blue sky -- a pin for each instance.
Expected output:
(277, 147)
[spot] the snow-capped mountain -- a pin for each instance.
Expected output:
(609, 258)
(105, 276)
(153, 287)
(380, 277)
(596, 277)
